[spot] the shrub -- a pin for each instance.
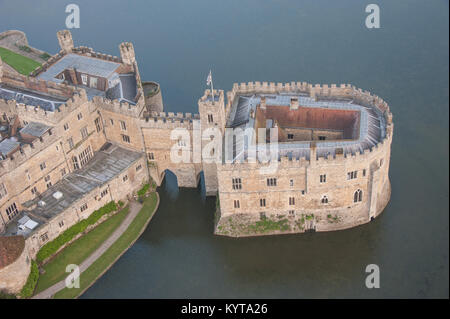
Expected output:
(45, 56)
(28, 288)
(52, 247)
(4, 295)
(25, 48)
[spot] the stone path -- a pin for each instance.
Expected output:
(135, 207)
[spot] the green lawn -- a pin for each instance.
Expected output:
(78, 251)
(18, 62)
(100, 265)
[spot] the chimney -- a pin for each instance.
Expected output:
(262, 104)
(294, 103)
(312, 152)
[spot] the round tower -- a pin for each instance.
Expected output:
(153, 97)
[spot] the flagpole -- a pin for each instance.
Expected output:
(212, 87)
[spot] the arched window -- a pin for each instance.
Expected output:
(324, 200)
(357, 197)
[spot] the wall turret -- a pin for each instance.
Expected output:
(65, 41)
(127, 53)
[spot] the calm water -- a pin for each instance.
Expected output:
(177, 42)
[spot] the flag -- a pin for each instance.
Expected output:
(209, 78)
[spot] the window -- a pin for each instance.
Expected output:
(63, 171)
(70, 142)
(42, 166)
(151, 156)
(291, 201)
(93, 82)
(138, 168)
(3, 191)
(324, 200)
(47, 178)
(112, 121)
(236, 204)
(80, 116)
(126, 138)
(125, 178)
(292, 213)
(323, 178)
(44, 237)
(28, 174)
(84, 79)
(236, 183)
(49, 184)
(104, 192)
(210, 118)
(291, 182)
(271, 182)
(322, 138)
(181, 143)
(123, 125)
(83, 207)
(352, 175)
(34, 190)
(262, 202)
(303, 192)
(364, 172)
(75, 163)
(357, 197)
(84, 132)
(98, 125)
(12, 211)
(381, 162)
(85, 156)
(290, 136)
(61, 223)
(66, 126)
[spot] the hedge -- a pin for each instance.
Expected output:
(28, 289)
(52, 247)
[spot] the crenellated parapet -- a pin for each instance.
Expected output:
(26, 151)
(12, 107)
(169, 120)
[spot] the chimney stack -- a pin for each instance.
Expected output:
(262, 104)
(294, 103)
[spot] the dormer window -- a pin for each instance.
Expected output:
(93, 82)
(84, 79)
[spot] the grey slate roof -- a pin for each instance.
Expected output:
(35, 129)
(125, 90)
(372, 125)
(48, 103)
(8, 145)
(83, 64)
(103, 167)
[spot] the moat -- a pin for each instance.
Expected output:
(405, 62)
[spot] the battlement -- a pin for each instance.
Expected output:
(12, 107)
(169, 120)
(316, 91)
(26, 151)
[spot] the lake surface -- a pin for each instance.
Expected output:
(176, 42)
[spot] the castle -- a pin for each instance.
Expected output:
(83, 129)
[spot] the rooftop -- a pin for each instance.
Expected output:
(311, 113)
(83, 64)
(106, 164)
(28, 97)
(35, 129)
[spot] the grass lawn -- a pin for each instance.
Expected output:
(100, 265)
(18, 62)
(78, 251)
